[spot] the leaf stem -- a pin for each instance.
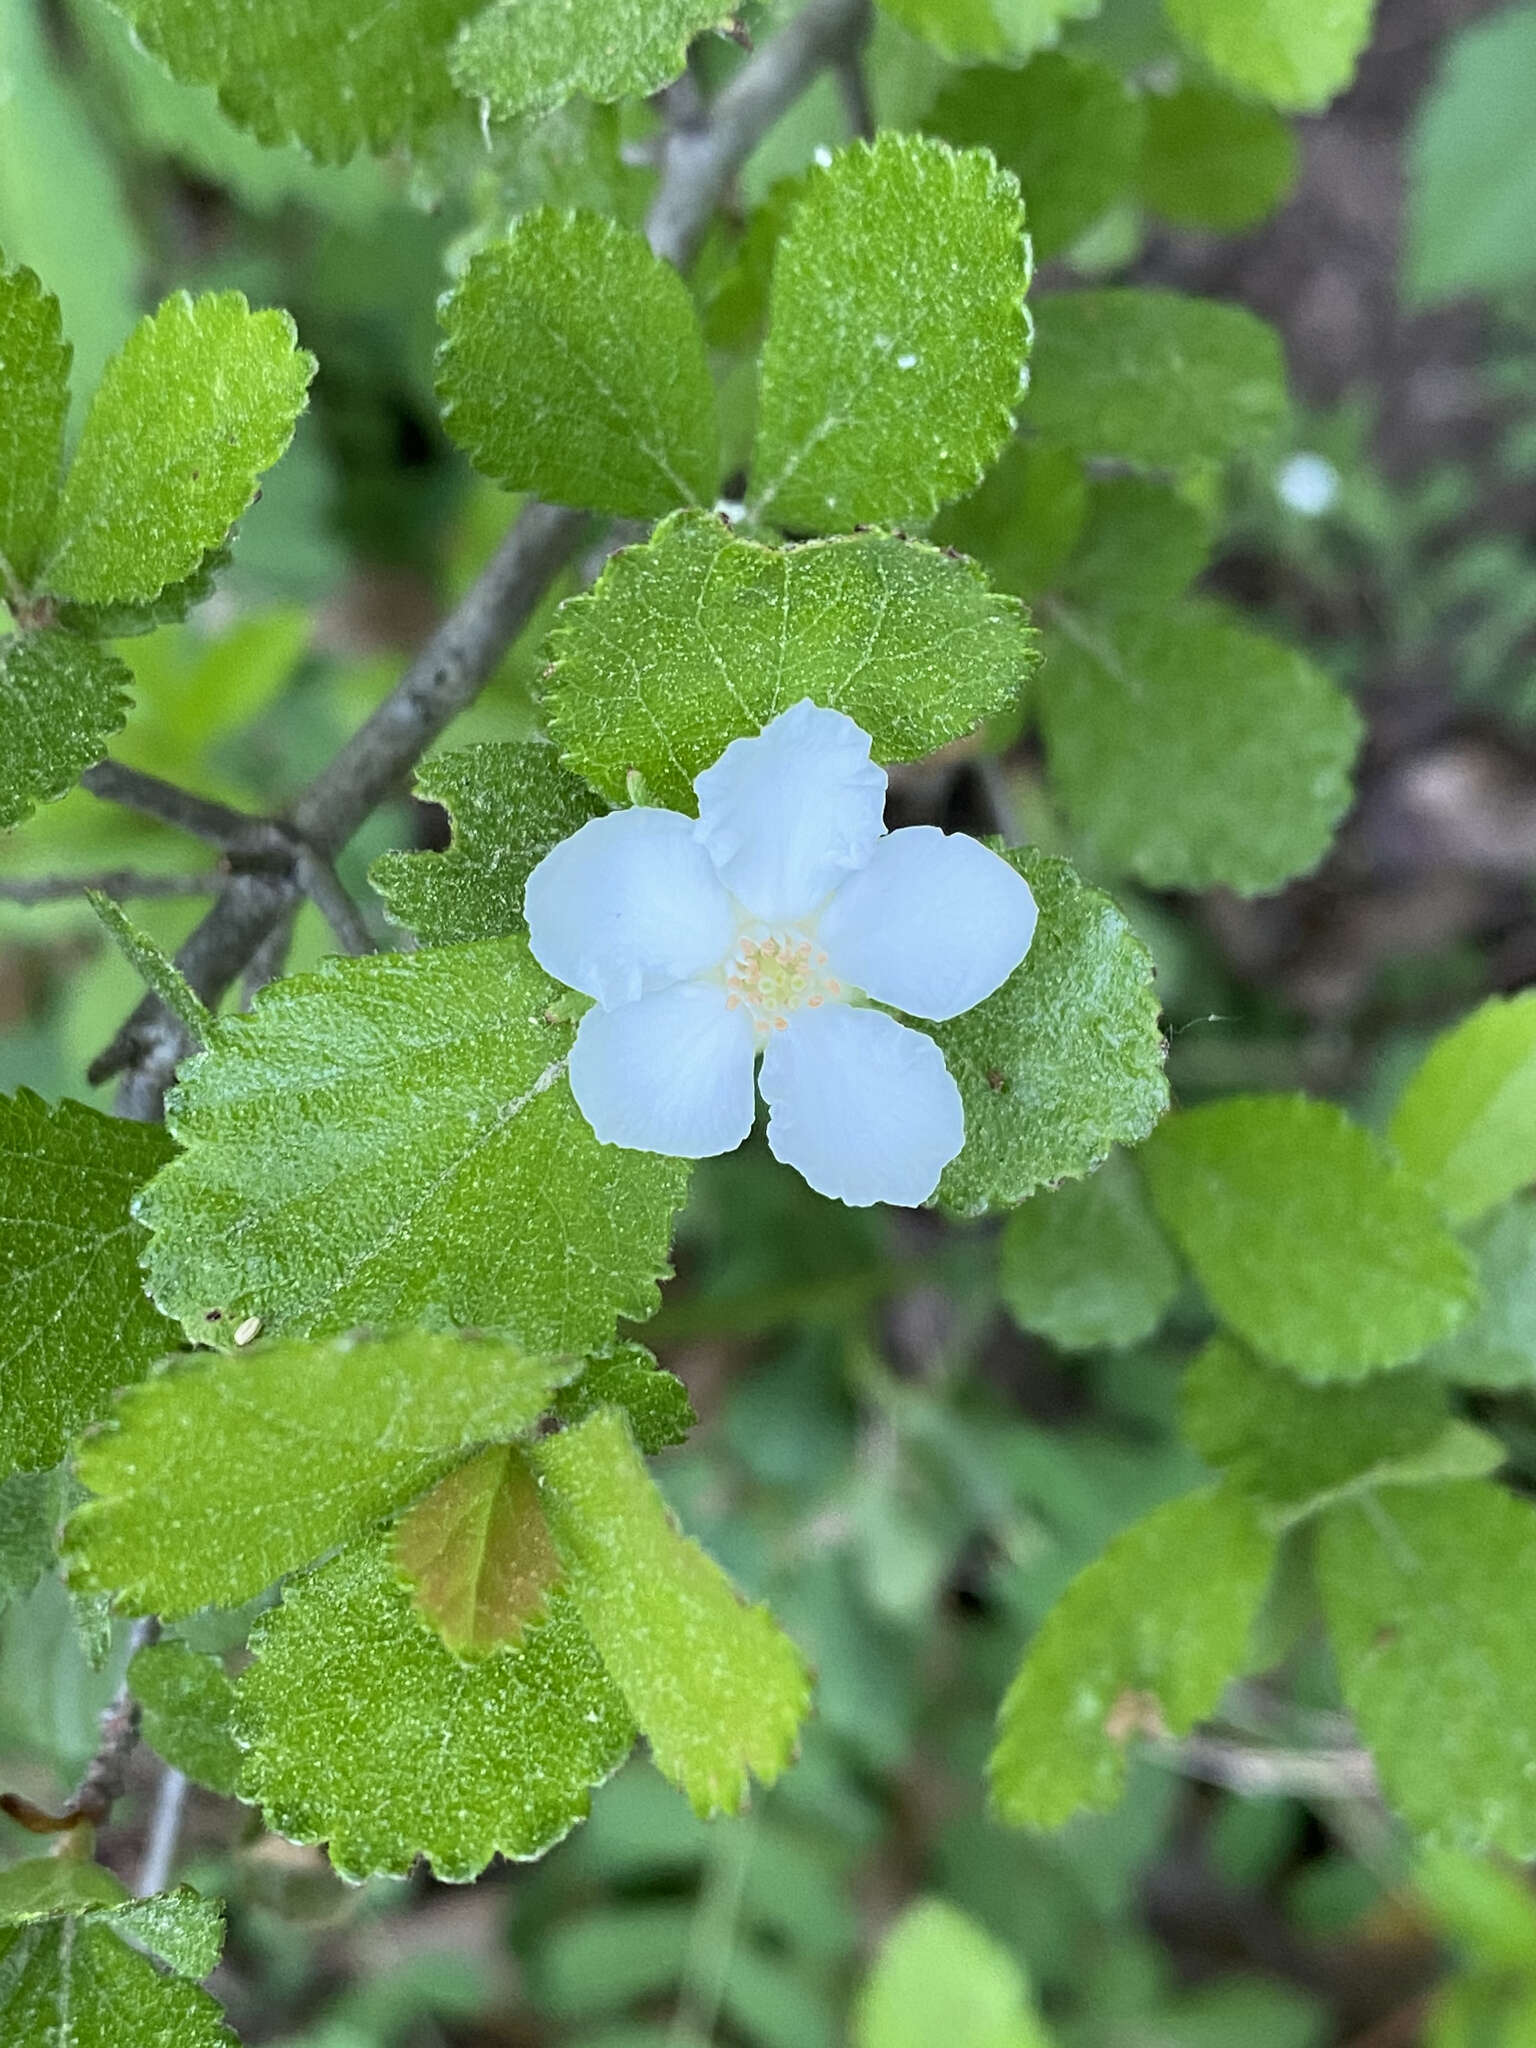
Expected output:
(164, 1832)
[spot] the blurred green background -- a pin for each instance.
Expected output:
(886, 1454)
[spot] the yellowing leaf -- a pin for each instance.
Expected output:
(477, 1554)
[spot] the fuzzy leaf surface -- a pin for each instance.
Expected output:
(74, 1318)
(655, 1400)
(1154, 377)
(1466, 1124)
(1142, 1642)
(153, 965)
(699, 638)
(74, 1984)
(198, 402)
(264, 1458)
(477, 1554)
(1192, 752)
(611, 406)
(940, 1978)
(1295, 1447)
(47, 1887)
(311, 71)
(364, 1732)
(1065, 1061)
(1294, 53)
(526, 57)
(1426, 1595)
(393, 1139)
(897, 337)
(1496, 1346)
(510, 802)
(186, 1700)
(1310, 1241)
(1067, 128)
(1087, 1264)
(35, 357)
(718, 1690)
(31, 1509)
(61, 700)
(181, 1927)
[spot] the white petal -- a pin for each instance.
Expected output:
(671, 1073)
(932, 925)
(862, 1106)
(628, 904)
(787, 815)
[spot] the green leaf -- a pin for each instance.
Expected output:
(988, 29)
(394, 1138)
(1426, 1597)
(186, 1700)
(612, 406)
(181, 1927)
(701, 637)
(1065, 1061)
(154, 966)
(1295, 53)
(897, 337)
(1088, 1264)
(74, 1984)
(940, 1979)
(1191, 752)
(35, 357)
(1154, 377)
(364, 1732)
(130, 621)
(31, 1509)
(1212, 160)
(60, 701)
(319, 72)
(1308, 1238)
(1296, 1448)
(526, 57)
(1141, 1643)
(200, 399)
(1024, 520)
(1466, 1123)
(510, 802)
(1472, 164)
(477, 1554)
(262, 1459)
(1067, 128)
(1142, 544)
(656, 1402)
(1496, 1346)
(44, 1887)
(718, 1690)
(74, 1319)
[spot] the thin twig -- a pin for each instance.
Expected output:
(447, 675)
(269, 958)
(119, 884)
(1257, 1770)
(323, 886)
(853, 89)
(164, 1831)
(234, 832)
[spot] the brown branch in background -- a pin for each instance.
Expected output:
(698, 166)
(119, 884)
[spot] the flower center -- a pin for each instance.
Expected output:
(773, 973)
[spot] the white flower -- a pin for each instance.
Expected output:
(762, 928)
